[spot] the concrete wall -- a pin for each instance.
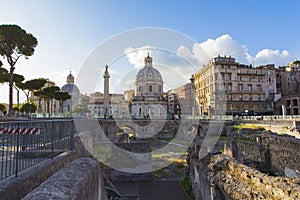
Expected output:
(81, 179)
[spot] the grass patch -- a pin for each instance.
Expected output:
(187, 186)
(239, 127)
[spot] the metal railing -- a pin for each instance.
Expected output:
(26, 143)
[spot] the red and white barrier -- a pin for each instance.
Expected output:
(21, 131)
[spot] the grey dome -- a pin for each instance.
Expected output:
(71, 88)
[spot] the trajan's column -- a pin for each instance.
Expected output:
(106, 91)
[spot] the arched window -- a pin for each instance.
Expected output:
(159, 89)
(140, 89)
(150, 88)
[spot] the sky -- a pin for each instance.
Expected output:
(72, 34)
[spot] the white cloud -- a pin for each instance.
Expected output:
(225, 45)
(278, 57)
(136, 55)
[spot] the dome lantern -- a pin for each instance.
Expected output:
(70, 78)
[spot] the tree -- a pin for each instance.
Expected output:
(3, 74)
(17, 79)
(31, 86)
(28, 107)
(40, 95)
(15, 43)
(2, 107)
(49, 94)
(61, 97)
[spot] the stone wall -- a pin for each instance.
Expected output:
(81, 179)
(271, 151)
(219, 177)
(284, 151)
(240, 176)
(15, 188)
(237, 181)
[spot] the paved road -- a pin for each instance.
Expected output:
(150, 190)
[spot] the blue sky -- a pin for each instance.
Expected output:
(69, 30)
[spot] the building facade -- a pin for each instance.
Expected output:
(149, 99)
(181, 101)
(224, 86)
(288, 87)
(118, 106)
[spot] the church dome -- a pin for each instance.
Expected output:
(148, 80)
(71, 88)
(149, 73)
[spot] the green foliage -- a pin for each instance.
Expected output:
(61, 97)
(31, 85)
(49, 92)
(3, 75)
(16, 109)
(2, 107)
(14, 43)
(81, 110)
(28, 107)
(187, 186)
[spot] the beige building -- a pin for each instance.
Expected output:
(181, 101)
(288, 86)
(117, 105)
(224, 86)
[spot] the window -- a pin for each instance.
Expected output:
(229, 76)
(249, 87)
(240, 87)
(259, 88)
(223, 76)
(229, 87)
(140, 89)
(150, 88)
